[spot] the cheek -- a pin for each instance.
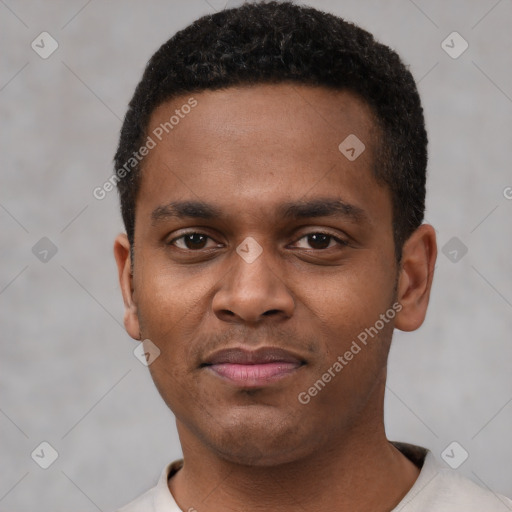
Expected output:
(174, 311)
(354, 340)
(166, 299)
(351, 298)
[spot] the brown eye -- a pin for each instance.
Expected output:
(319, 241)
(191, 241)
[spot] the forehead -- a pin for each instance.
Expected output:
(291, 111)
(260, 145)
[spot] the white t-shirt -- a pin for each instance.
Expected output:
(437, 489)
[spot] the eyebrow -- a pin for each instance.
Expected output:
(185, 209)
(302, 209)
(323, 207)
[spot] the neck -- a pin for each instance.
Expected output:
(357, 470)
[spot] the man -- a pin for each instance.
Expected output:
(271, 169)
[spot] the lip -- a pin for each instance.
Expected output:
(253, 368)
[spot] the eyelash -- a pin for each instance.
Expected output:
(341, 242)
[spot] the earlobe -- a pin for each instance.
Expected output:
(124, 268)
(419, 255)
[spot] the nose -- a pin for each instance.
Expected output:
(252, 292)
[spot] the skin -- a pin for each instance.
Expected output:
(248, 151)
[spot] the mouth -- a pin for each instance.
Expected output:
(252, 369)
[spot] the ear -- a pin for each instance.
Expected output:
(419, 255)
(124, 268)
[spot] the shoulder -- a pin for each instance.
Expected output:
(459, 493)
(158, 498)
(144, 503)
(441, 489)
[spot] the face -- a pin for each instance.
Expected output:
(262, 253)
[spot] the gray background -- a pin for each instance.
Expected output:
(68, 375)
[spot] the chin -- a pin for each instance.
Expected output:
(260, 441)
(260, 455)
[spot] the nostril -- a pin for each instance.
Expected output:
(271, 312)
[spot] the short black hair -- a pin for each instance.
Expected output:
(279, 42)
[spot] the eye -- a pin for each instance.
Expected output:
(320, 241)
(192, 241)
